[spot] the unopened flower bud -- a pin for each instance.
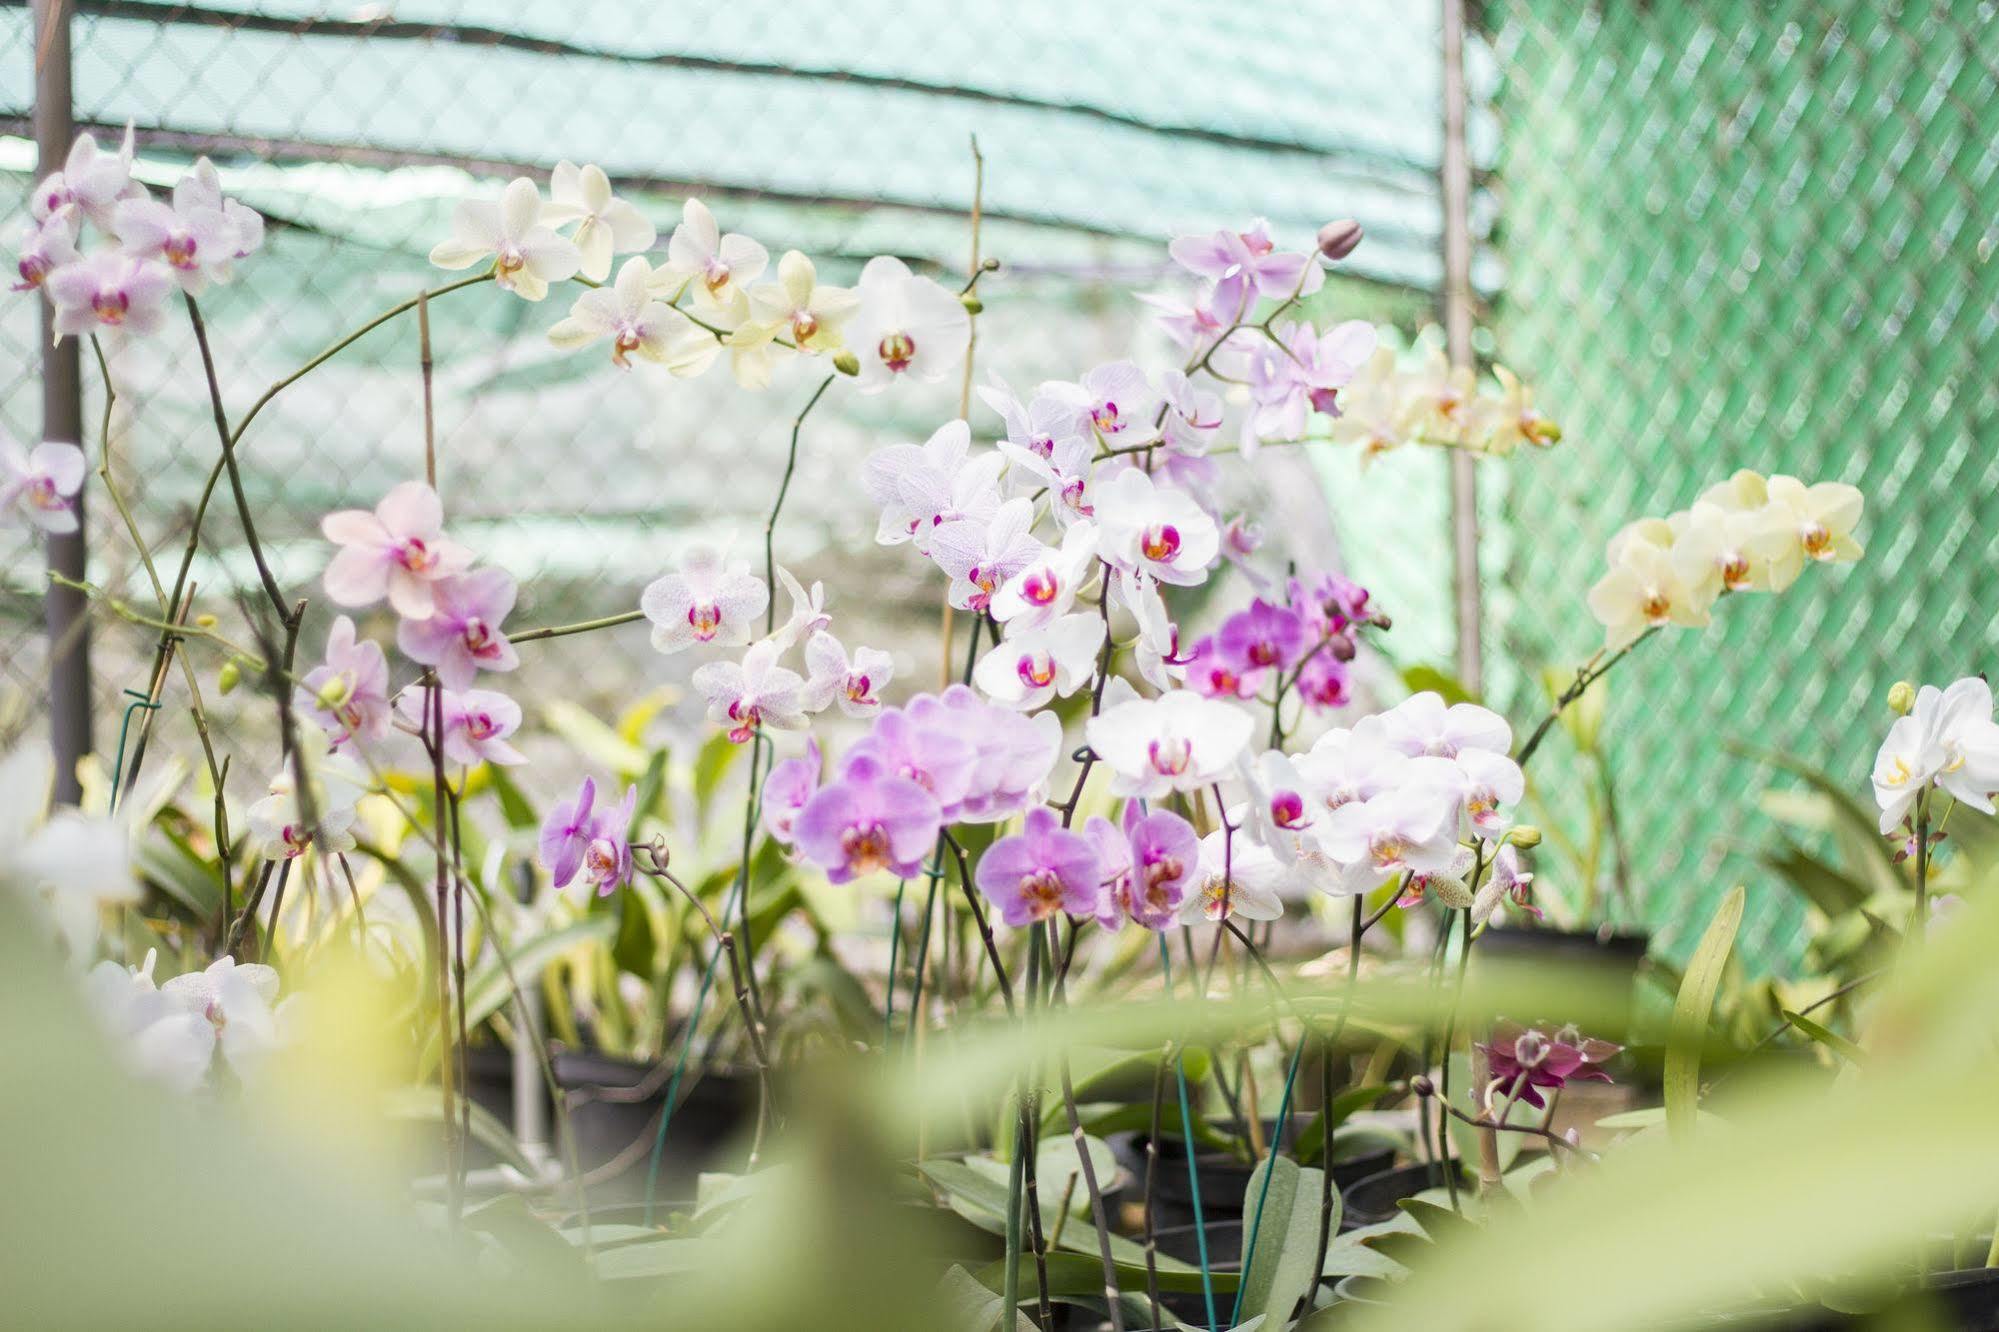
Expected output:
(1341, 646)
(1382, 622)
(205, 621)
(972, 304)
(1901, 698)
(1339, 239)
(1422, 1086)
(847, 363)
(1574, 1137)
(1525, 834)
(229, 676)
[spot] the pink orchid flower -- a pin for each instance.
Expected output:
(398, 551)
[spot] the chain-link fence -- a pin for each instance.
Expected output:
(1754, 236)
(1714, 237)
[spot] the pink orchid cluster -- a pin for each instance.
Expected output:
(151, 246)
(450, 618)
(1311, 635)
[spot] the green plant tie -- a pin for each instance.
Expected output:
(139, 701)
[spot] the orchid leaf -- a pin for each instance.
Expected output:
(1688, 1032)
(1831, 1040)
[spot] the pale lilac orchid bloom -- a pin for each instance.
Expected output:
(939, 759)
(1119, 404)
(201, 187)
(1034, 665)
(398, 551)
(41, 483)
(921, 487)
(854, 683)
(347, 694)
(1042, 871)
(1189, 323)
(1245, 265)
(47, 246)
(109, 292)
(708, 600)
(1013, 751)
(980, 555)
(190, 237)
(1304, 374)
(527, 254)
(868, 820)
(477, 723)
(91, 179)
(462, 635)
(907, 327)
(753, 693)
(787, 790)
(1046, 588)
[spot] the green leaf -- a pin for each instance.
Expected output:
(968, 1306)
(169, 863)
(1071, 1275)
(651, 787)
(1831, 1040)
(1420, 678)
(661, 1258)
(981, 1199)
(514, 805)
(1861, 830)
(486, 988)
(713, 760)
(518, 1230)
(1284, 1217)
(594, 740)
(635, 949)
(1688, 1031)
(1826, 888)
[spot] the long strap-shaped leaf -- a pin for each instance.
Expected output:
(1688, 1032)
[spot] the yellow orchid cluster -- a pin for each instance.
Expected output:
(1385, 406)
(1748, 534)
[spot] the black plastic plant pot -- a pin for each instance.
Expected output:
(1224, 1178)
(1371, 1201)
(1969, 1297)
(614, 1107)
(1224, 1240)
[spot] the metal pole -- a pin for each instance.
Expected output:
(1456, 182)
(64, 611)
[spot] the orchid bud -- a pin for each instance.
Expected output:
(1382, 622)
(1901, 698)
(1342, 647)
(847, 363)
(1421, 1086)
(1525, 834)
(1339, 239)
(972, 304)
(205, 621)
(229, 676)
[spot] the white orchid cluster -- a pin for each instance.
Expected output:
(1948, 741)
(1748, 534)
(199, 1031)
(714, 291)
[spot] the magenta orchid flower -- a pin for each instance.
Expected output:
(577, 837)
(1149, 864)
(1263, 637)
(868, 820)
(1034, 665)
(1532, 1060)
(709, 600)
(463, 636)
(854, 683)
(753, 693)
(979, 556)
(907, 327)
(348, 692)
(477, 723)
(1177, 742)
(1213, 673)
(109, 292)
(398, 551)
(1041, 871)
(789, 789)
(48, 245)
(1155, 529)
(1323, 683)
(527, 254)
(91, 180)
(41, 483)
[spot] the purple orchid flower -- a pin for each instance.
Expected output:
(1040, 871)
(1263, 637)
(348, 694)
(868, 820)
(577, 837)
(477, 723)
(1149, 864)
(463, 636)
(1215, 674)
(789, 788)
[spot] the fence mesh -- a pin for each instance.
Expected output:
(1715, 237)
(1751, 237)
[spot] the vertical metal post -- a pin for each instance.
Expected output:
(531, 1108)
(1456, 182)
(64, 612)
